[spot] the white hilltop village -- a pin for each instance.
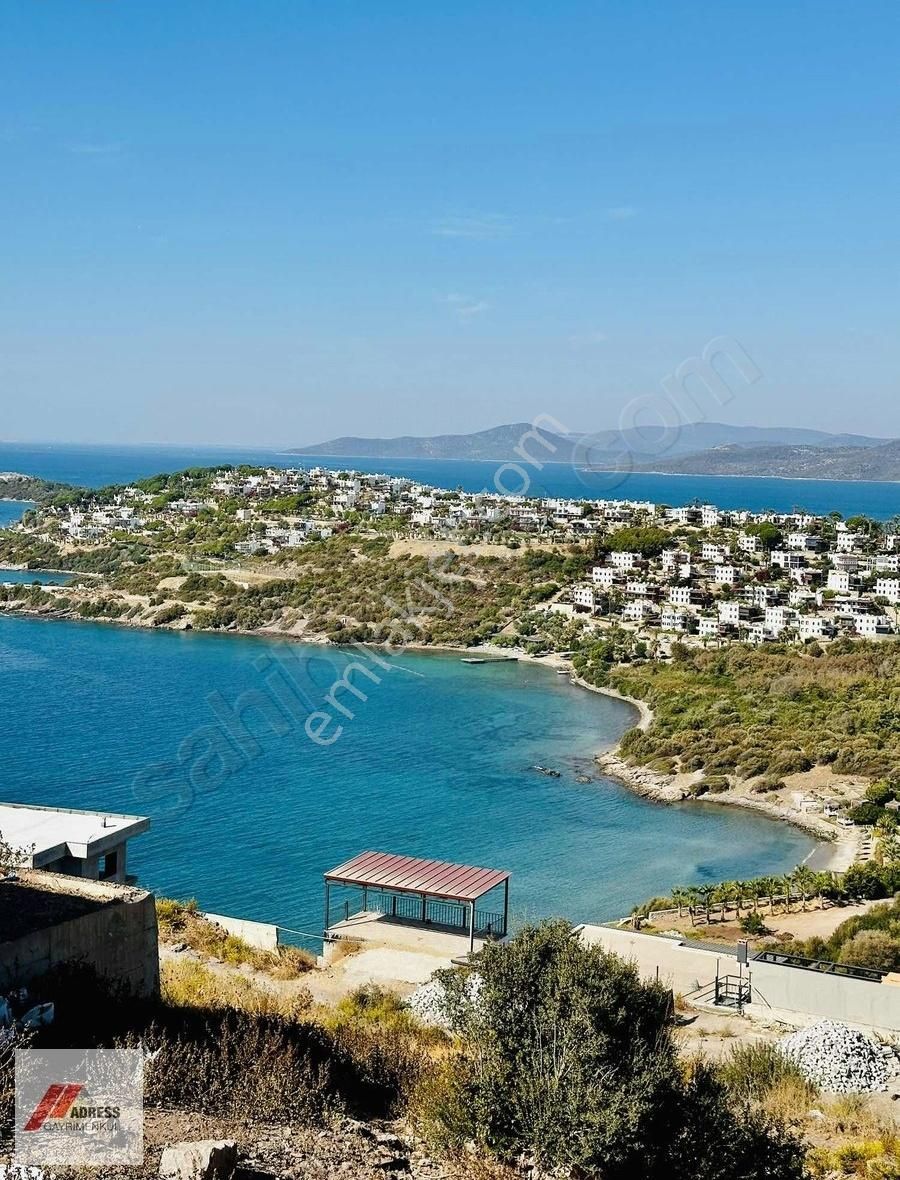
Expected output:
(720, 576)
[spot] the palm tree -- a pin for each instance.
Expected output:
(682, 897)
(824, 880)
(756, 889)
(706, 893)
(805, 880)
(742, 889)
(692, 899)
(770, 887)
(787, 881)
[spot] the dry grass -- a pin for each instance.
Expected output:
(789, 1100)
(189, 984)
(343, 948)
(182, 922)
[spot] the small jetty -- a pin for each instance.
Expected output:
(488, 660)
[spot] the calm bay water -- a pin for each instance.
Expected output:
(435, 763)
(29, 577)
(11, 511)
(99, 465)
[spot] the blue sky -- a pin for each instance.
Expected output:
(278, 221)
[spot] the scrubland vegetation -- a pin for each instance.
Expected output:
(561, 1057)
(181, 922)
(762, 712)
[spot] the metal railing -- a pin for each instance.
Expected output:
(732, 991)
(823, 966)
(449, 915)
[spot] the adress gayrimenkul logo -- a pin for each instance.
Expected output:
(79, 1106)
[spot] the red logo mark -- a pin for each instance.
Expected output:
(55, 1104)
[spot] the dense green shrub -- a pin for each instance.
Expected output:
(765, 710)
(567, 1057)
(872, 948)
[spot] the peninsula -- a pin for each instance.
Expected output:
(760, 641)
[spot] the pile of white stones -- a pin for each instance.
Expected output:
(839, 1059)
(429, 1000)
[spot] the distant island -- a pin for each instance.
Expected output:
(698, 448)
(876, 463)
(16, 486)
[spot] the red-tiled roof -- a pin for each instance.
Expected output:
(437, 878)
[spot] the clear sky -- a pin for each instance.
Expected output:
(273, 221)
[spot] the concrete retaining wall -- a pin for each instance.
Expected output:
(259, 934)
(827, 997)
(118, 940)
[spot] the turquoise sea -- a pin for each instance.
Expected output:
(94, 466)
(11, 511)
(435, 762)
(29, 577)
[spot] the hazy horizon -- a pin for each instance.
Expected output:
(286, 445)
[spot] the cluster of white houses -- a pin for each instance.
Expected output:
(819, 580)
(738, 574)
(255, 501)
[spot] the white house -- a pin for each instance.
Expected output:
(673, 619)
(585, 595)
(814, 627)
(714, 553)
(603, 575)
(787, 559)
(681, 595)
(873, 626)
(624, 560)
(839, 581)
(732, 614)
(710, 516)
(802, 541)
(777, 618)
(888, 588)
(638, 611)
(847, 542)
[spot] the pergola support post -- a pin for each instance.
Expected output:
(327, 905)
(471, 926)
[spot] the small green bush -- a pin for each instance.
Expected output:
(752, 1070)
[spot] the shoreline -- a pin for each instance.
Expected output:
(834, 851)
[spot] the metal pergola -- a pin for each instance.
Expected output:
(430, 892)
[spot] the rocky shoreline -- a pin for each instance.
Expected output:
(839, 847)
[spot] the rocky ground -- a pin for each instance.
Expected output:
(346, 1150)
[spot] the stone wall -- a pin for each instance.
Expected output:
(118, 939)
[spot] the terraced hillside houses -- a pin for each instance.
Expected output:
(693, 572)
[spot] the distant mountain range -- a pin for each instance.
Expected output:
(699, 448)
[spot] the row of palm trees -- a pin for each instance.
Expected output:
(740, 897)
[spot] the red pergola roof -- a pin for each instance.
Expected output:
(410, 874)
